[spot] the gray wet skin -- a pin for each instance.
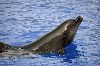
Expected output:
(54, 41)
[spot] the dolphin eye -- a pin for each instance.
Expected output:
(65, 35)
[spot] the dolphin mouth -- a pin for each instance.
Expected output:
(78, 20)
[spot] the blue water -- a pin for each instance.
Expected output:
(24, 21)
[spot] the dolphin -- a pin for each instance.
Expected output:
(54, 41)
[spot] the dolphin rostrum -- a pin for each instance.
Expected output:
(54, 41)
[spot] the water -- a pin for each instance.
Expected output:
(24, 21)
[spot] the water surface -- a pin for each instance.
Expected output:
(24, 21)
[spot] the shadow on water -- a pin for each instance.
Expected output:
(70, 53)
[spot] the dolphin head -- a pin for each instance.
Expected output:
(71, 29)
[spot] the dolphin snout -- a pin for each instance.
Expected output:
(79, 19)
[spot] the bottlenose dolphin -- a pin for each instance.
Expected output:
(54, 41)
